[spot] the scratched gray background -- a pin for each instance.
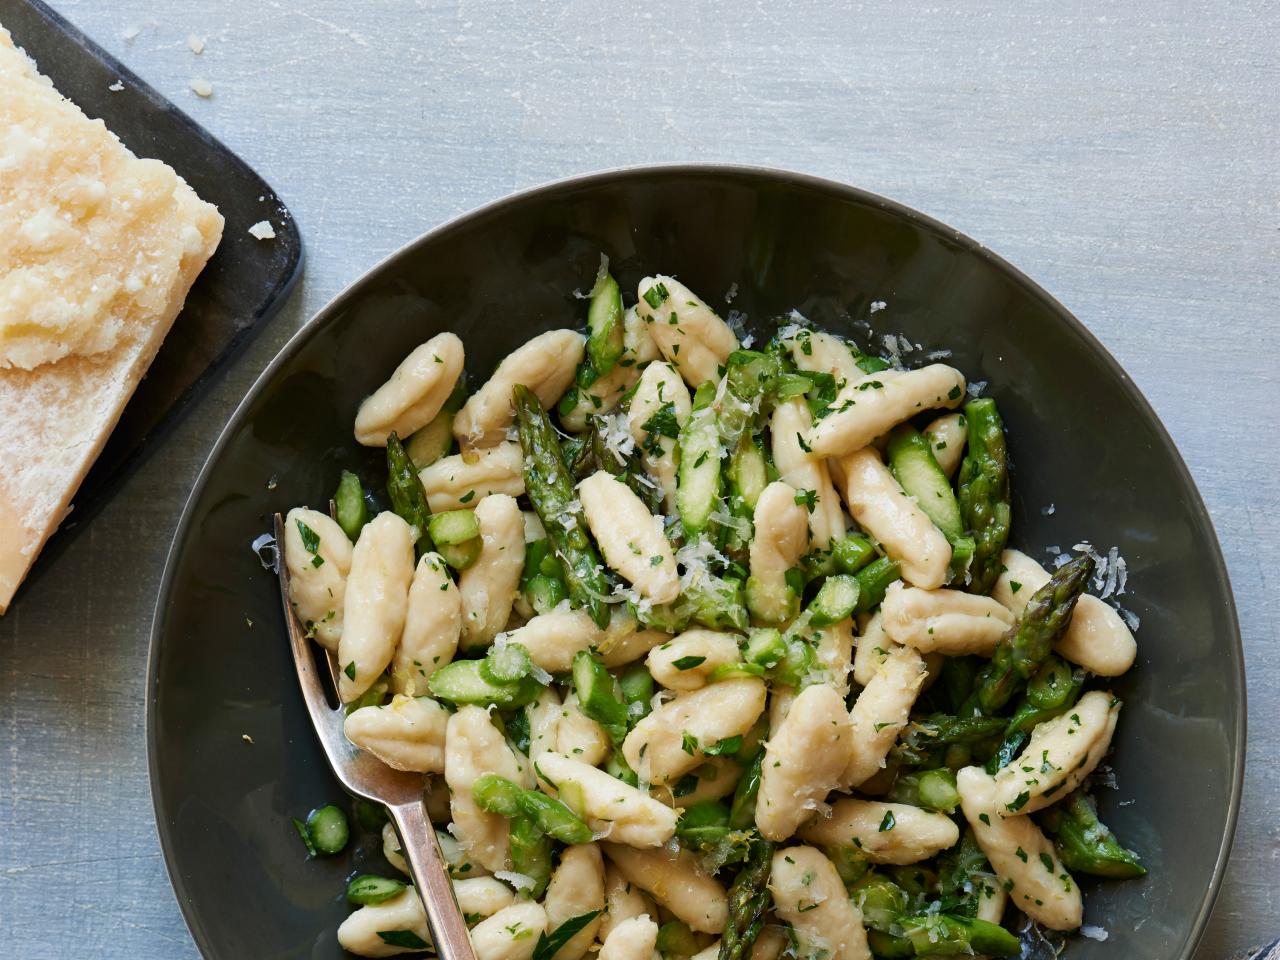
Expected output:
(1124, 155)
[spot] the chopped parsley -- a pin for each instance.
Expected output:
(311, 543)
(888, 822)
(656, 295)
(807, 499)
(688, 663)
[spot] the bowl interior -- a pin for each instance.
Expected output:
(1083, 442)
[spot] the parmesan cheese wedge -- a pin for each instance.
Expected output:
(98, 249)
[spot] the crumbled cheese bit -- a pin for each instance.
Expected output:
(520, 881)
(130, 34)
(116, 87)
(1093, 933)
(975, 388)
(202, 88)
(262, 230)
(196, 44)
(246, 738)
(1130, 619)
(731, 292)
(877, 306)
(616, 436)
(1048, 511)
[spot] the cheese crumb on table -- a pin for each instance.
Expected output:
(196, 44)
(202, 88)
(98, 249)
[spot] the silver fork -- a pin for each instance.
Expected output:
(367, 777)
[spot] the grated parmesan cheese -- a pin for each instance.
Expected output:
(878, 305)
(1094, 933)
(262, 230)
(196, 44)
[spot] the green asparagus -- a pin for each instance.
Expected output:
(1026, 647)
(1052, 691)
(925, 739)
(550, 489)
(749, 898)
(435, 440)
(598, 696)
(742, 811)
(408, 498)
(1085, 844)
(873, 581)
(911, 461)
(984, 492)
(530, 851)
(942, 933)
(463, 681)
(747, 472)
(604, 323)
(349, 508)
(698, 482)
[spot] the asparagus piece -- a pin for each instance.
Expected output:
(912, 462)
(435, 440)
(367, 889)
(1052, 691)
(550, 489)
(749, 898)
(748, 473)
(703, 825)
(1022, 652)
(964, 876)
(742, 811)
(408, 498)
(530, 855)
(852, 553)
(1085, 844)
(943, 933)
(921, 741)
(873, 581)
(349, 508)
(604, 324)
(750, 380)
(499, 795)
(698, 484)
(881, 901)
(984, 492)
(598, 696)
(463, 681)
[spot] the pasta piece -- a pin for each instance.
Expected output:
(630, 537)
(685, 662)
(552, 638)
(625, 641)
(949, 621)
(882, 832)
(459, 482)
(659, 408)
(377, 602)
(1061, 753)
(809, 895)
(623, 901)
(1020, 854)
(816, 352)
(546, 365)
(605, 393)
(317, 590)
(804, 471)
(947, 436)
(580, 737)
(480, 897)
(576, 887)
(544, 721)
(359, 933)
(670, 741)
(432, 626)
(473, 747)
(407, 734)
(880, 713)
(414, 394)
(488, 587)
(803, 761)
(834, 649)
(688, 333)
(606, 803)
(877, 402)
(510, 934)
(713, 780)
(676, 880)
(1097, 638)
(781, 697)
(634, 938)
(770, 944)
(781, 539)
(883, 509)
(709, 952)
(873, 647)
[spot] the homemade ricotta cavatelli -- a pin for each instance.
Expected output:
(724, 667)
(98, 249)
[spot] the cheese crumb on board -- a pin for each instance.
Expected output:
(263, 230)
(97, 251)
(116, 87)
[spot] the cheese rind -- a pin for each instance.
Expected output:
(97, 252)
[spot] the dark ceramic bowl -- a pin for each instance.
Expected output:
(1081, 436)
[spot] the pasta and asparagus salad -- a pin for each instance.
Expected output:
(709, 651)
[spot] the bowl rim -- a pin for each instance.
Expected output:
(710, 170)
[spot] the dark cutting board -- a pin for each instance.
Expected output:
(242, 286)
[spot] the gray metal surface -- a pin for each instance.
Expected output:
(1123, 156)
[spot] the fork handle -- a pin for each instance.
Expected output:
(431, 876)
